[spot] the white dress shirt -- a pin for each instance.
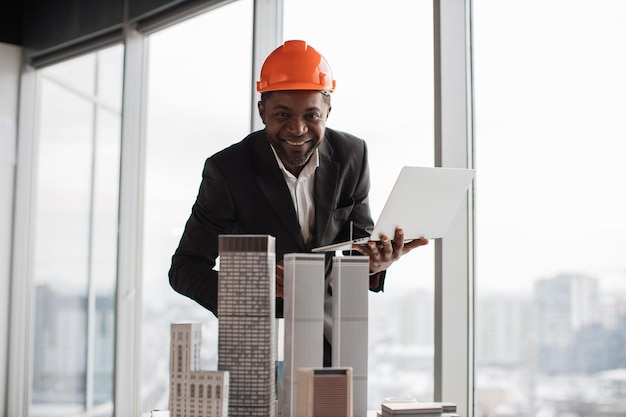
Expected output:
(301, 190)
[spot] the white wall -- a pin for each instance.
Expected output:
(10, 62)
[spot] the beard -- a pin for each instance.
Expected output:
(295, 159)
(292, 156)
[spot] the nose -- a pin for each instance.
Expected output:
(297, 127)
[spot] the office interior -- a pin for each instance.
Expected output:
(108, 110)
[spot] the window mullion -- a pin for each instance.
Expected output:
(21, 323)
(267, 36)
(454, 253)
(128, 306)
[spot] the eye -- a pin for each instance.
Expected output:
(280, 115)
(314, 116)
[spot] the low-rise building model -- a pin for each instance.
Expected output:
(194, 392)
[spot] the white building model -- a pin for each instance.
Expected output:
(194, 393)
(350, 321)
(245, 383)
(304, 321)
(247, 325)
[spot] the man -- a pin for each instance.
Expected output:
(296, 180)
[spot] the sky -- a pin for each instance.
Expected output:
(550, 143)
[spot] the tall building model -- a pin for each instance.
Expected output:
(350, 322)
(247, 329)
(304, 321)
(194, 393)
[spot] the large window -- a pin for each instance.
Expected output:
(383, 64)
(198, 103)
(551, 230)
(75, 251)
(199, 84)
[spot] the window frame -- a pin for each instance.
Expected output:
(454, 148)
(20, 314)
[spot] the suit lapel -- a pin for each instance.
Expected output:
(272, 183)
(326, 178)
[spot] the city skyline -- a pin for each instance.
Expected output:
(493, 356)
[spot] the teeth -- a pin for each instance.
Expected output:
(296, 143)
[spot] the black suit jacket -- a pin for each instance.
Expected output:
(243, 192)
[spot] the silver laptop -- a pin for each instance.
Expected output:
(423, 202)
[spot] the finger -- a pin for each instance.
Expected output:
(361, 249)
(373, 247)
(399, 237)
(416, 243)
(279, 287)
(387, 246)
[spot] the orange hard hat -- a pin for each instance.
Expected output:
(295, 66)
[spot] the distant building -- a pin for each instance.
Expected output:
(193, 392)
(612, 385)
(304, 321)
(501, 330)
(59, 361)
(325, 392)
(563, 306)
(247, 325)
(415, 319)
(350, 323)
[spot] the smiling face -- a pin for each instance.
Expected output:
(295, 122)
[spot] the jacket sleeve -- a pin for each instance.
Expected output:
(361, 217)
(192, 272)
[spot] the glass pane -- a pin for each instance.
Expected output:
(198, 103)
(551, 230)
(77, 74)
(75, 239)
(109, 88)
(383, 64)
(61, 251)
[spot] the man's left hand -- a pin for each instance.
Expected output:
(386, 251)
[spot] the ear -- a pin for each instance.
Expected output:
(261, 111)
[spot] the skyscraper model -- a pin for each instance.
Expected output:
(193, 392)
(246, 310)
(304, 320)
(350, 316)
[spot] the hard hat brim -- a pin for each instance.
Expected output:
(286, 86)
